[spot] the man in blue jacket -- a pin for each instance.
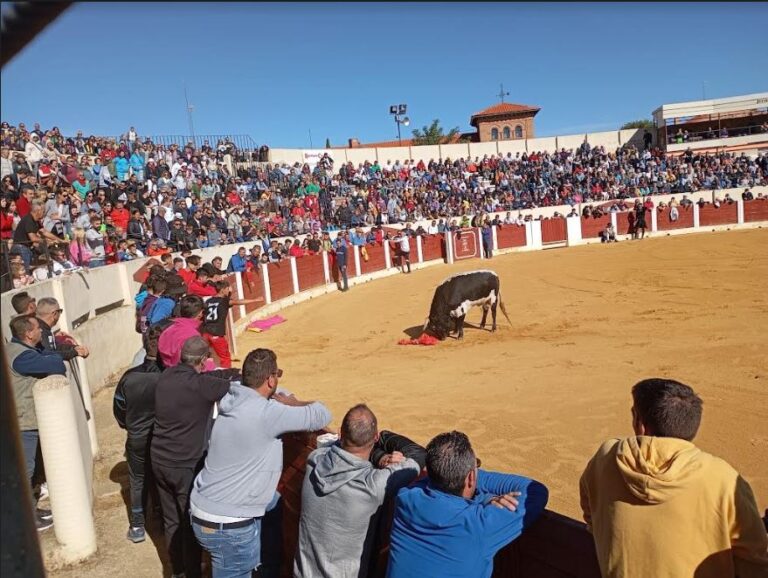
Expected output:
(341, 262)
(452, 523)
(238, 262)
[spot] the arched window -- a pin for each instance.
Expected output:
(518, 131)
(507, 133)
(494, 133)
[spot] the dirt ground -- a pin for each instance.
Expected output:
(537, 397)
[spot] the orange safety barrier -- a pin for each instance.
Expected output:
(710, 215)
(433, 247)
(310, 270)
(553, 231)
(591, 228)
(376, 260)
(508, 236)
(554, 547)
(684, 219)
(755, 211)
(280, 279)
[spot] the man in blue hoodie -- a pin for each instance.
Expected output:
(452, 523)
(237, 486)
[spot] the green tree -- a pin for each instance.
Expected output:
(434, 134)
(327, 143)
(643, 123)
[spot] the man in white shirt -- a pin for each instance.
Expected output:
(404, 250)
(432, 229)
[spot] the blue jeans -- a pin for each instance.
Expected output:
(30, 439)
(236, 552)
(25, 252)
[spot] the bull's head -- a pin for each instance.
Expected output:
(438, 326)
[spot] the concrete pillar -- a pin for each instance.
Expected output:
(572, 231)
(654, 220)
(533, 235)
(240, 292)
(696, 216)
(267, 289)
(356, 253)
(326, 267)
(387, 254)
(479, 237)
(740, 212)
(294, 275)
(494, 228)
(449, 247)
(615, 223)
(419, 249)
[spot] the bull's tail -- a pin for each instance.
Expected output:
(504, 310)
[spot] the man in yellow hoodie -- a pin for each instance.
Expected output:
(659, 507)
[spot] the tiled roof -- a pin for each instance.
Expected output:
(504, 108)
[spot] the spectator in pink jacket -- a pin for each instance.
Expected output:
(79, 251)
(183, 327)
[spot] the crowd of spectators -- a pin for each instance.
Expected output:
(99, 201)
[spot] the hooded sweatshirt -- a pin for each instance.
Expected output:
(245, 455)
(661, 507)
(340, 499)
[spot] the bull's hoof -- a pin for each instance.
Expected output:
(493, 329)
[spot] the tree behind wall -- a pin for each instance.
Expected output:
(643, 123)
(434, 134)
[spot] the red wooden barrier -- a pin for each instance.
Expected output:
(310, 271)
(508, 236)
(232, 280)
(433, 247)
(624, 224)
(280, 279)
(465, 244)
(376, 260)
(553, 231)
(591, 228)
(710, 215)
(253, 288)
(755, 211)
(684, 219)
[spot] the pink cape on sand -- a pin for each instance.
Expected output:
(263, 324)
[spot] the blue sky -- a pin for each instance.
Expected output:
(277, 72)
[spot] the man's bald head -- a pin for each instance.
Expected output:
(359, 428)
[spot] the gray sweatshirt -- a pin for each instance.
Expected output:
(245, 455)
(340, 502)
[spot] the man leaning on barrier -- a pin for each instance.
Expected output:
(29, 362)
(453, 522)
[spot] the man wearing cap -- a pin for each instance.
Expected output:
(184, 400)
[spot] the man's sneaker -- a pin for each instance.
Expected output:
(43, 491)
(42, 524)
(136, 534)
(44, 514)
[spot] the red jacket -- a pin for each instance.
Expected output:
(6, 225)
(201, 289)
(120, 218)
(188, 276)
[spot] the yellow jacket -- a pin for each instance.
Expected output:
(662, 508)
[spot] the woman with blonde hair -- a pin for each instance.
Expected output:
(79, 250)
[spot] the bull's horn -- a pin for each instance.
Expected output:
(426, 322)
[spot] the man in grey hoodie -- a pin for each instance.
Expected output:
(238, 484)
(344, 488)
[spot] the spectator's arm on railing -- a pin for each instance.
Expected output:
(391, 442)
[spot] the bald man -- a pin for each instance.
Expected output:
(344, 488)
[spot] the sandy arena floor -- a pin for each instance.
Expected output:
(536, 398)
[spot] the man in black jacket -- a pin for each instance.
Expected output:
(134, 410)
(48, 313)
(184, 400)
(136, 229)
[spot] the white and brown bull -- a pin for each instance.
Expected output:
(455, 296)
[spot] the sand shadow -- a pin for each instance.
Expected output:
(414, 332)
(153, 514)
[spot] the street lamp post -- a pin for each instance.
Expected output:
(398, 111)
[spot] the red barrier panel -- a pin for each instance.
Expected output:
(280, 279)
(376, 260)
(553, 231)
(508, 236)
(232, 280)
(710, 215)
(465, 244)
(625, 221)
(253, 288)
(433, 247)
(755, 211)
(684, 219)
(310, 270)
(591, 228)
